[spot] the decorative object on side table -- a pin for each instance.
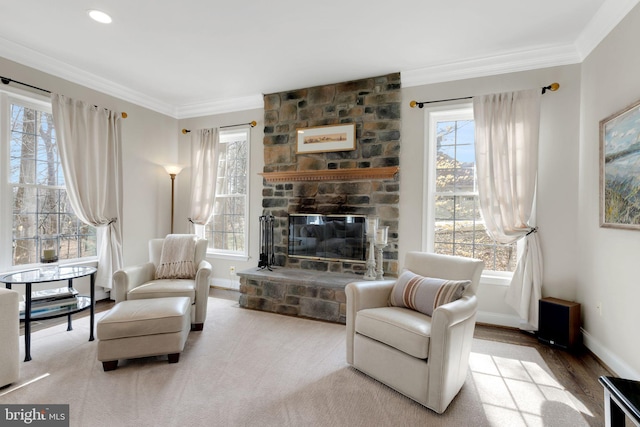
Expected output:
(49, 254)
(50, 300)
(372, 229)
(382, 235)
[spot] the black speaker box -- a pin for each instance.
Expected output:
(559, 323)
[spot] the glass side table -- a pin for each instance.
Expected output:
(38, 276)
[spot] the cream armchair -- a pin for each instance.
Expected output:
(138, 282)
(424, 357)
(9, 334)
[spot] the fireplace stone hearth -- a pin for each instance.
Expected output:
(296, 292)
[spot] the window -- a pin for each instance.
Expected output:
(40, 211)
(227, 230)
(455, 225)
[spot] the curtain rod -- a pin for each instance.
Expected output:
(253, 123)
(552, 87)
(7, 80)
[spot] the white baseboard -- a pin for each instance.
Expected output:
(617, 365)
(498, 319)
(226, 283)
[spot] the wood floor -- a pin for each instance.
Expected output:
(577, 370)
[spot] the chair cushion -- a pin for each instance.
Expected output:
(163, 288)
(406, 330)
(425, 294)
(144, 317)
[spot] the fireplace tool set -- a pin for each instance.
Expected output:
(267, 257)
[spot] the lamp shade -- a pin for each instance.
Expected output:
(173, 169)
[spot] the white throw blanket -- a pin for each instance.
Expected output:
(176, 260)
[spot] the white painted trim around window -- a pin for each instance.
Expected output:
(228, 136)
(431, 115)
(227, 255)
(9, 95)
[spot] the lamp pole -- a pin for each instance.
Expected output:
(172, 170)
(173, 180)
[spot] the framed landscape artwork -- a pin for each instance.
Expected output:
(620, 169)
(322, 139)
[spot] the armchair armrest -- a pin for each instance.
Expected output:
(130, 277)
(457, 311)
(452, 329)
(368, 294)
(361, 295)
(202, 290)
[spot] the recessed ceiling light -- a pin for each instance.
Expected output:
(99, 16)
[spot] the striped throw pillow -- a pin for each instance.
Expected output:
(425, 294)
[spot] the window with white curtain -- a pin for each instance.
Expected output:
(35, 201)
(454, 224)
(227, 231)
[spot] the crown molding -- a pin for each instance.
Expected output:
(603, 22)
(492, 65)
(218, 107)
(31, 58)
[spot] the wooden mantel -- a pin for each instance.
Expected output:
(332, 174)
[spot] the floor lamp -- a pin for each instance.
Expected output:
(172, 170)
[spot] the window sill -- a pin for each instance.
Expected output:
(496, 278)
(231, 257)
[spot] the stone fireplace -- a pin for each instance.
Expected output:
(357, 182)
(363, 181)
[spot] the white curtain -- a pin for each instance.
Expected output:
(507, 130)
(205, 152)
(89, 141)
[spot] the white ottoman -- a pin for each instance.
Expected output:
(141, 328)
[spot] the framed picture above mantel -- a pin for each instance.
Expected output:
(620, 169)
(323, 139)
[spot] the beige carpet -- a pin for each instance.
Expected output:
(249, 368)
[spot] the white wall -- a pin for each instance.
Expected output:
(557, 203)
(220, 266)
(607, 270)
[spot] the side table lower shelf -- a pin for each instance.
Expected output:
(83, 304)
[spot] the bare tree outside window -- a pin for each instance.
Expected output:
(227, 229)
(41, 208)
(459, 227)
